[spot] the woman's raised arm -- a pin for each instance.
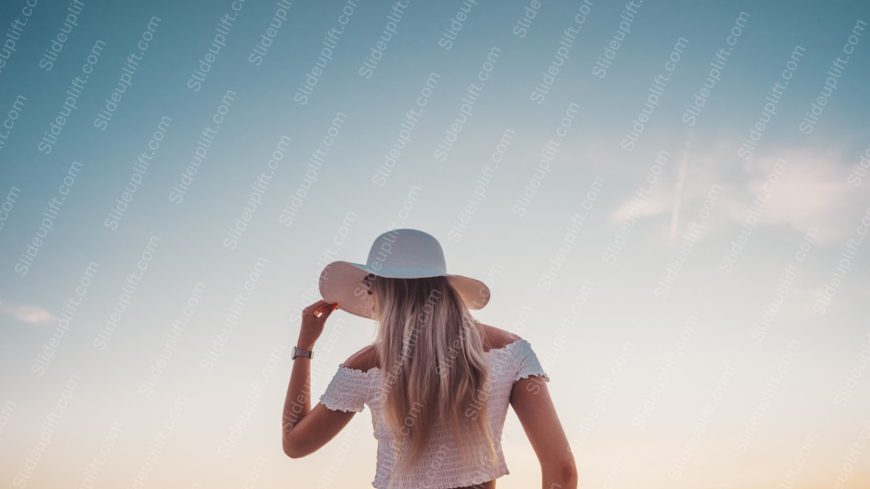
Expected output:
(304, 430)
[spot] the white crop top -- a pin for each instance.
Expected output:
(439, 468)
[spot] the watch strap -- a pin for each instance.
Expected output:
(302, 352)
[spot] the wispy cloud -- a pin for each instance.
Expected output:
(27, 314)
(678, 194)
(812, 190)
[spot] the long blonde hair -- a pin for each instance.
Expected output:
(431, 352)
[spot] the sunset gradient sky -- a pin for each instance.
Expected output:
(669, 200)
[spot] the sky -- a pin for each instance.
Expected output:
(669, 200)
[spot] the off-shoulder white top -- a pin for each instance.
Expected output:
(440, 468)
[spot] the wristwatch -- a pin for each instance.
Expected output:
(301, 352)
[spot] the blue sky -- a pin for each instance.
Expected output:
(608, 358)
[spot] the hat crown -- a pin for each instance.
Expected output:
(406, 253)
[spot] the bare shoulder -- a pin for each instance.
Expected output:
(494, 337)
(364, 359)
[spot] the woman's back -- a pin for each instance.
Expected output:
(433, 369)
(360, 382)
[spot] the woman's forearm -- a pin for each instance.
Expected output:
(297, 402)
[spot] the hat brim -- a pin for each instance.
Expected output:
(342, 282)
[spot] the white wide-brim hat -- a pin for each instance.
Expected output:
(399, 253)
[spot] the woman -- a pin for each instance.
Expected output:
(438, 382)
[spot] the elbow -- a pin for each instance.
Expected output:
(292, 450)
(564, 471)
(569, 472)
(575, 474)
(293, 454)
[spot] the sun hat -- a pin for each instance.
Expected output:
(398, 253)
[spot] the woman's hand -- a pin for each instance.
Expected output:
(313, 319)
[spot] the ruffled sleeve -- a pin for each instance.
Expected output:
(527, 362)
(347, 391)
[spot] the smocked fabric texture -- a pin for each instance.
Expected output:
(441, 466)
